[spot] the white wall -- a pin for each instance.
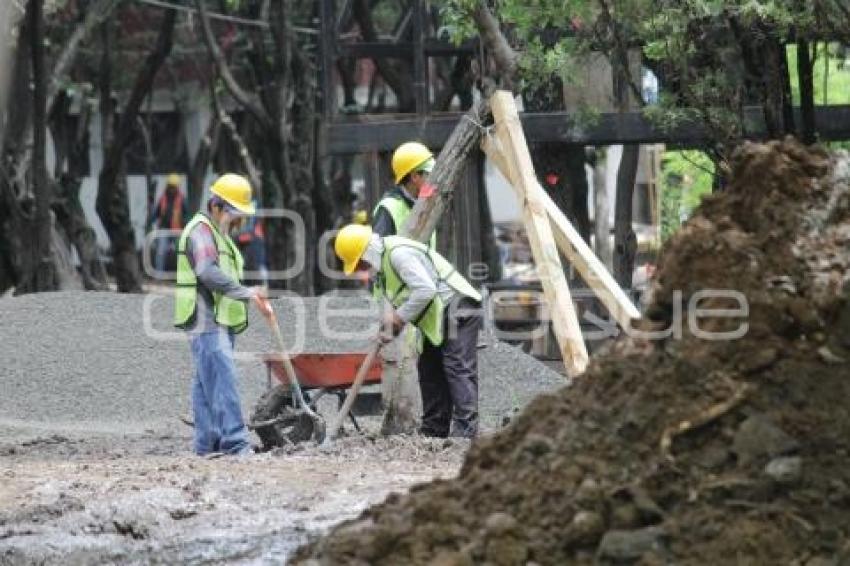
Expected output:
(136, 184)
(504, 206)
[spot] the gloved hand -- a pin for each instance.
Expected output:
(391, 325)
(261, 300)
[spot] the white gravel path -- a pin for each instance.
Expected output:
(108, 362)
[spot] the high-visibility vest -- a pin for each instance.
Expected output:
(231, 313)
(399, 210)
(176, 220)
(430, 322)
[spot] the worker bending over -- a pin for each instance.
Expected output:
(211, 304)
(425, 290)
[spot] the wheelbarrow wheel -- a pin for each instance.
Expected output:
(277, 422)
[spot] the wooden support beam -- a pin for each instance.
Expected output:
(517, 159)
(571, 244)
(385, 133)
(402, 49)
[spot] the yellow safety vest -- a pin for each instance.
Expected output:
(430, 322)
(231, 313)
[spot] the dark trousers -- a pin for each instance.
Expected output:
(448, 376)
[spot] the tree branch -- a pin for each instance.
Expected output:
(143, 85)
(225, 120)
(95, 15)
(226, 75)
(496, 43)
(621, 53)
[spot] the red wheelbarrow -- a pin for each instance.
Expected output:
(280, 419)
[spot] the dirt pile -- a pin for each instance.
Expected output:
(690, 448)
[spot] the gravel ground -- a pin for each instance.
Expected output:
(104, 362)
(96, 467)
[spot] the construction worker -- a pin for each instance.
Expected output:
(210, 304)
(170, 213)
(424, 289)
(412, 163)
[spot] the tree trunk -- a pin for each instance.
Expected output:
(95, 14)
(16, 202)
(70, 155)
(423, 219)
(807, 92)
(201, 163)
(625, 240)
(448, 168)
(72, 218)
(489, 250)
(112, 203)
(43, 273)
(11, 15)
(602, 210)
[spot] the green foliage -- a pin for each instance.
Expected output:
(384, 16)
(711, 56)
(832, 83)
(456, 19)
(686, 177)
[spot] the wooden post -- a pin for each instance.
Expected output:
(521, 171)
(572, 245)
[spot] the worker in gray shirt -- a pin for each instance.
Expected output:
(425, 290)
(211, 304)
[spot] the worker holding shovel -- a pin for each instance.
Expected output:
(425, 290)
(210, 304)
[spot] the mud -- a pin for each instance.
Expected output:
(142, 499)
(95, 466)
(681, 449)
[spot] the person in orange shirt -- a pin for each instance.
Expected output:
(170, 213)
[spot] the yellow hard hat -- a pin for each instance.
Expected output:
(173, 180)
(236, 190)
(360, 217)
(410, 157)
(350, 244)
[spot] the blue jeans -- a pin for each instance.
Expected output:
(164, 244)
(215, 401)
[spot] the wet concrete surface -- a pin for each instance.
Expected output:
(145, 499)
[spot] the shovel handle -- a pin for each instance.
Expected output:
(288, 368)
(333, 430)
(281, 346)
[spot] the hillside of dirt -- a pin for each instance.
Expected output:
(689, 448)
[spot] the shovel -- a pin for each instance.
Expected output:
(336, 423)
(295, 386)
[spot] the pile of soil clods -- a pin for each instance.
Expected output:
(684, 449)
